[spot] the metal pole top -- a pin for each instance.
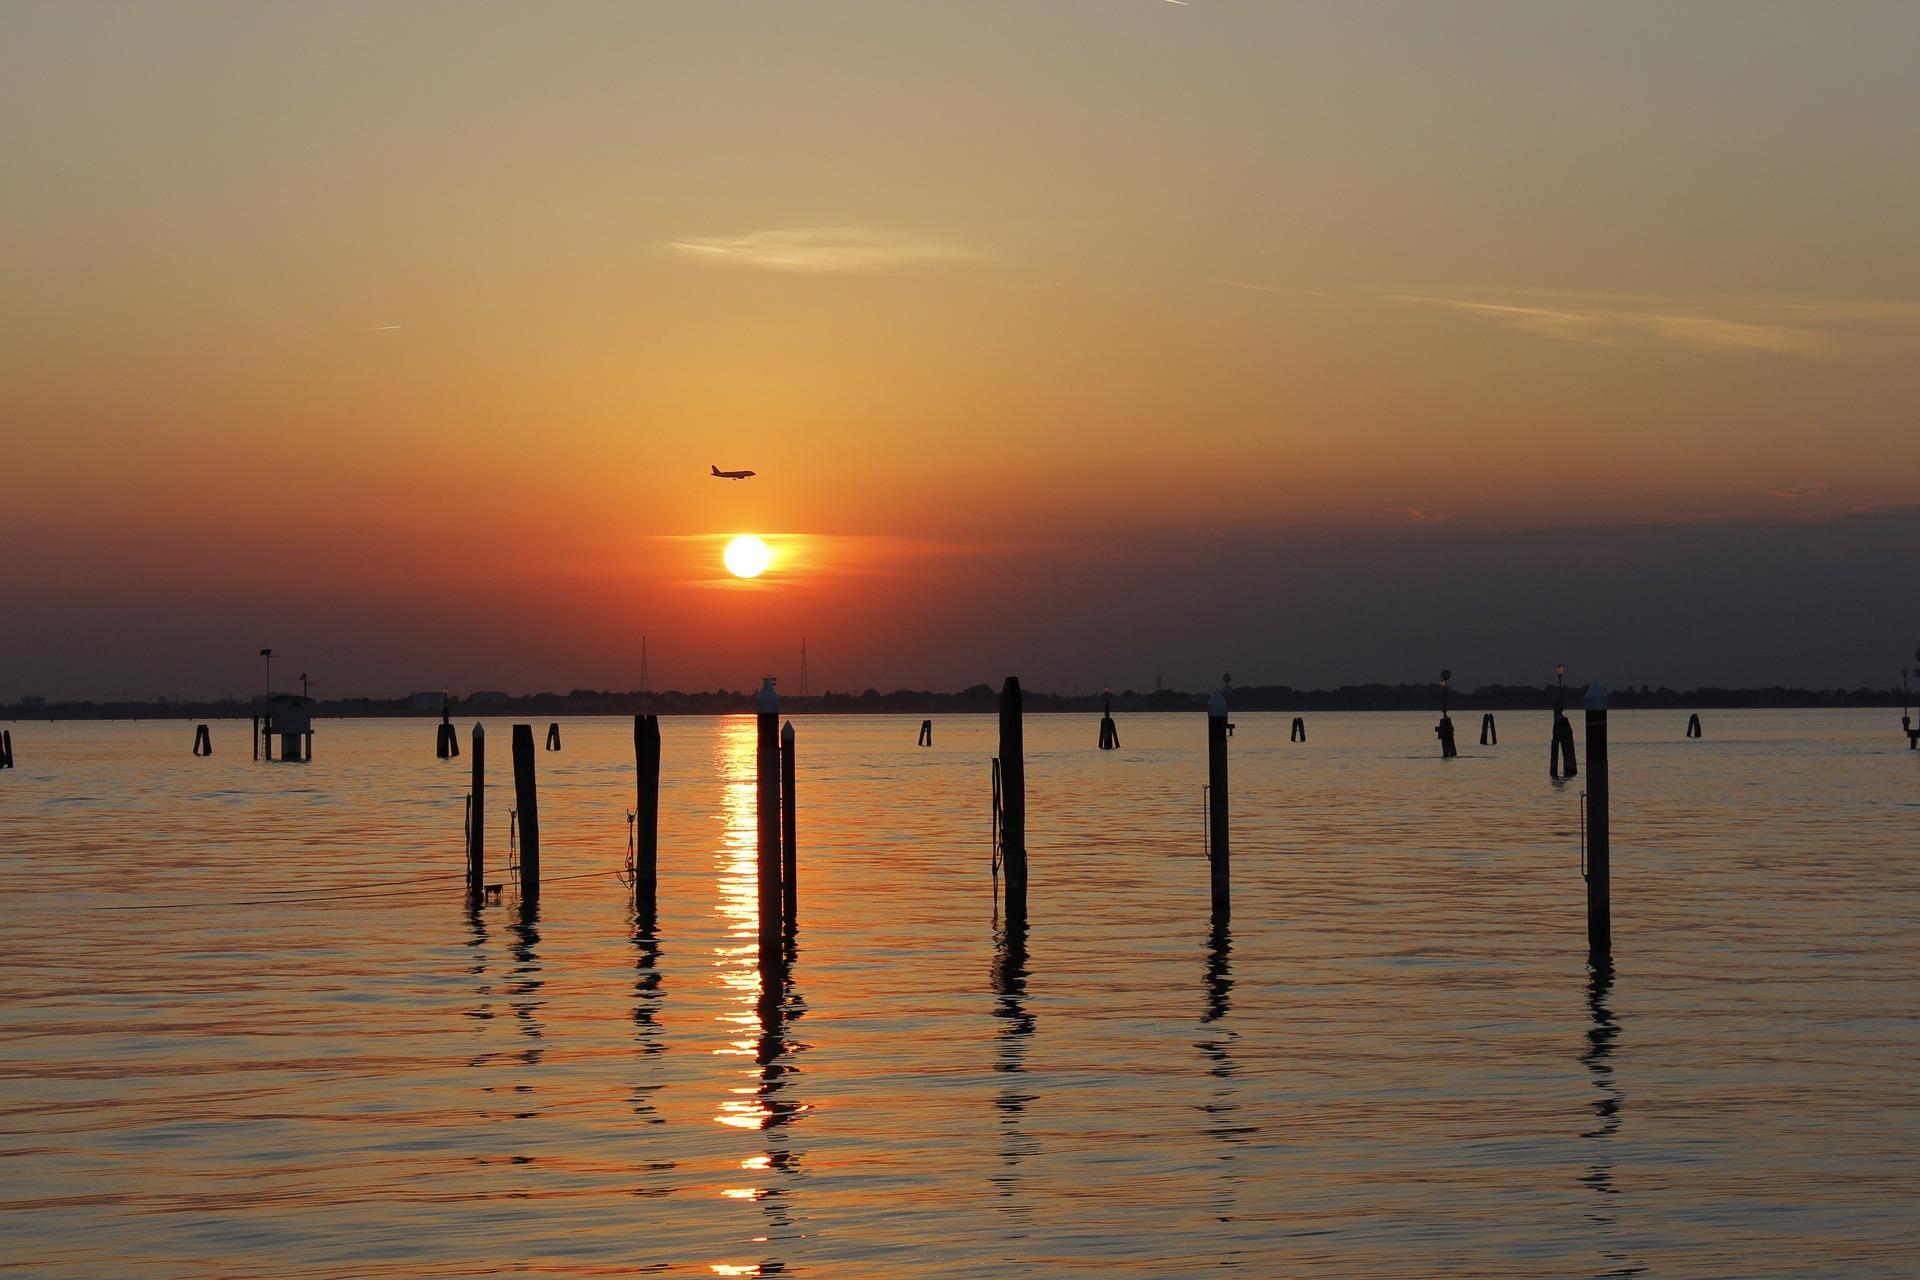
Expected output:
(1217, 704)
(767, 702)
(1596, 697)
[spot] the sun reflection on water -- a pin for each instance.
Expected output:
(761, 999)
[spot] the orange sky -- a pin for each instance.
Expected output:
(421, 304)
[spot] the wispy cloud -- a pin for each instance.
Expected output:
(1808, 327)
(1605, 325)
(1418, 515)
(823, 249)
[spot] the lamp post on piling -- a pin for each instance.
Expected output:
(1220, 876)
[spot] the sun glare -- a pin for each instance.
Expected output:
(747, 557)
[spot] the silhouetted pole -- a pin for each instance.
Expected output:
(1218, 843)
(1299, 733)
(526, 800)
(1013, 797)
(1489, 734)
(1109, 732)
(1693, 725)
(553, 736)
(203, 741)
(1560, 757)
(646, 850)
(6, 748)
(767, 774)
(447, 742)
(1599, 833)
(926, 733)
(477, 818)
(1444, 730)
(256, 737)
(789, 859)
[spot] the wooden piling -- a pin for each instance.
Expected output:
(553, 736)
(256, 737)
(1299, 733)
(646, 848)
(767, 777)
(1013, 798)
(203, 741)
(1217, 823)
(789, 858)
(477, 818)
(926, 733)
(1693, 725)
(526, 801)
(1444, 732)
(1489, 735)
(1599, 832)
(6, 748)
(1561, 761)
(1109, 732)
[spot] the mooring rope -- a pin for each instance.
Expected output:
(994, 839)
(632, 871)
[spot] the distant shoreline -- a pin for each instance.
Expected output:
(981, 699)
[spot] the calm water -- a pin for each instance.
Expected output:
(252, 1030)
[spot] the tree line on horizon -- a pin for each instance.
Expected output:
(981, 698)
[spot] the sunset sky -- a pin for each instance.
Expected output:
(1083, 339)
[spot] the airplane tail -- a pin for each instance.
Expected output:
(713, 468)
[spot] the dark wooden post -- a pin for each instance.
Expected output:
(767, 776)
(646, 848)
(926, 733)
(6, 748)
(1013, 797)
(1489, 733)
(1218, 844)
(256, 737)
(553, 736)
(1109, 731)
(1599, 831)
(526, 801)
(789, 858)
(203, 741)
(1299, 733)
(1693, 725)
(477, 819)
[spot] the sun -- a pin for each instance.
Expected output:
(747, 557)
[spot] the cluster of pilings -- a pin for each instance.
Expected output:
(778, 873)
(777, 864)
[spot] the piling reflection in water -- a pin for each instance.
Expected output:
(1222, 1107)
(649, 993)
(763, 1004)
(1009, 983)
(1602, 1031)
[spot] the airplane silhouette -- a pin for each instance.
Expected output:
(718, 474)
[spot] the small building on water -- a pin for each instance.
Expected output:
(291, 717)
